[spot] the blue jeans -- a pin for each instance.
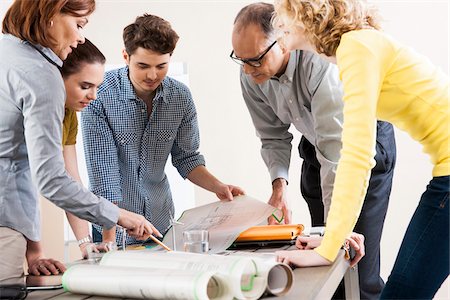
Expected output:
(97, 237)
(422, 263)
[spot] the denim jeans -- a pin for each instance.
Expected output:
(422, 262)
(97, 237)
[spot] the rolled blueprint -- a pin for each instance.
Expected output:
(239, 274)
(144, 283)
(278, 277)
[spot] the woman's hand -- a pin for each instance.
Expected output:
(137, 226)
(356, 241)
(46, 266)
(308, 242)
(301, 258)
(102, 247)
(38, 264)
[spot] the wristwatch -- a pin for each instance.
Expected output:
(86, 239)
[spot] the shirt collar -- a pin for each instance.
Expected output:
(128, 89)
(292, 65)
(160, 91)
(50, 54)
(47, 51)
(290, 68)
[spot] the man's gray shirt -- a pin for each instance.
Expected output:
(309, 96)
(32, 99)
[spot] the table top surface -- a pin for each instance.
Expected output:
(309, 283)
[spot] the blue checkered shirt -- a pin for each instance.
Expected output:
(126, 150)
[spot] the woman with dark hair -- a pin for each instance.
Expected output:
(382, 79)
(82, 71)
(39, 35)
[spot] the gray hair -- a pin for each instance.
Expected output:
(258, 14)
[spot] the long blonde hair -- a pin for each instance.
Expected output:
(325, 21)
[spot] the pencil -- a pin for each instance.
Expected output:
(160, 243)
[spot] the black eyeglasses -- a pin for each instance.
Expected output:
(254, 62)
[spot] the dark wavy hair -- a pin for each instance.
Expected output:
(150, 32)
(86, 53)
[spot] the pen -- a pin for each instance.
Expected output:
(151, 237)
(160, 243)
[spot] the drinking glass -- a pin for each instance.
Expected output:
(196, 241)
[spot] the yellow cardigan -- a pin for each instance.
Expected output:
(70, 127)
(387, 81)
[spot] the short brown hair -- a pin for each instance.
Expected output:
(86, 53)
(150, 32)
(325, 21)
(29, 19)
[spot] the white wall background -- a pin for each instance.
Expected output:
(227, 136)
(228, 140)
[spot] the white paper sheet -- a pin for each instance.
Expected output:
(224, 220)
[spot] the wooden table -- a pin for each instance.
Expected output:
(309, 283)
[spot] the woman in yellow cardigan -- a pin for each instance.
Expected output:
(382, 80)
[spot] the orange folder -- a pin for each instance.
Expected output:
(271, 233)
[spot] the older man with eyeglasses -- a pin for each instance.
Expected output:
(282, 88)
